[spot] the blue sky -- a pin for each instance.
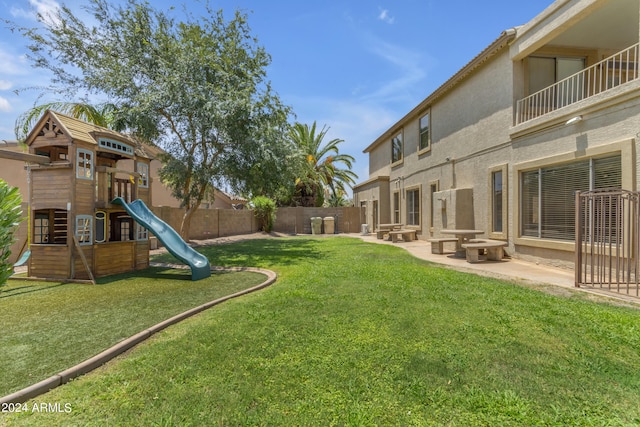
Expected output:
(356, 66)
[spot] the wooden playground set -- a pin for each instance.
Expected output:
(88, 188)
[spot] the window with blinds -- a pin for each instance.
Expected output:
(548, 194)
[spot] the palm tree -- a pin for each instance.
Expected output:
(320, 165)
(104, 115)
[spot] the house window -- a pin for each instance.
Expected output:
(41, 227)
(141, 232)
(396, 207)
(496, 201)
(84, 229)
(396, 148)
(425, 134)
(143, 170)
(413, 207)
(548, 194)
(84, 164)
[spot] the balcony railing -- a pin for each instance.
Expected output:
(607, 74)
(124, 188)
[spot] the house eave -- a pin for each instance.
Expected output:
(380, 178)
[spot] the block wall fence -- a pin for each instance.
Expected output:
(213, 223)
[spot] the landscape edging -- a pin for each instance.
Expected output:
(100, 359)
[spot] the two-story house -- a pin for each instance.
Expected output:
(549, 108)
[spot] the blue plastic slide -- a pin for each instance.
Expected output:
(199, 264)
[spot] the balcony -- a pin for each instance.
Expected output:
(607, 74)
(112, 183)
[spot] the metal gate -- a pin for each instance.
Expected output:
(607, 241)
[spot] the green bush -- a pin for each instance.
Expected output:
(265, 211)
(10, 217)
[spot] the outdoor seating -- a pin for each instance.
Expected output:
(384, 229)
(407, 235)
(494, 250)
(437, 244)
(463, 236)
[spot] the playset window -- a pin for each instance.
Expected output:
(84, 164)
(84, 229)
(143, 170)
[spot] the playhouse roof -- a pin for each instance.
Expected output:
(79, 130)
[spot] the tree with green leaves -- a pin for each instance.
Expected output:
(196, 88)
(264, 210)
(322, 165)
(10, 217)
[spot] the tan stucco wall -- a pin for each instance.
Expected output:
(379, 160)
(13, 171)
(367, 194)
(473, 134)
(468, 136)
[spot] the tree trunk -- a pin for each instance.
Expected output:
(185, 226)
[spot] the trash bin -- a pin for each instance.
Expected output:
(329, 223)
(316, 225)
(365, 229)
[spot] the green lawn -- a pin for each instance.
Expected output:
(49, 327)
(364, 334)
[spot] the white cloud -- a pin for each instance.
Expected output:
(18, 12)
(385, 17)
(11, 65)
(46, 8)
(411, 69)
(5, 106)
(5, 85)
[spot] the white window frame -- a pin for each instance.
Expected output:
(84, 229)
(84, 170)
(143, 170)
(141, 233)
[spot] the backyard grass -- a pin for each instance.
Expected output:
(364, 334)
(49, 327)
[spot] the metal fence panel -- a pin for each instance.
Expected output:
(607, 240)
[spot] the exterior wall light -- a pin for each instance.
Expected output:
(573, 120)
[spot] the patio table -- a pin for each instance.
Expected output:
(463, 236)
(385, 228)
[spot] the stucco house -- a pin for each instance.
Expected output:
(548, 108)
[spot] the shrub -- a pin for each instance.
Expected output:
(265, 212)
(10, 217)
